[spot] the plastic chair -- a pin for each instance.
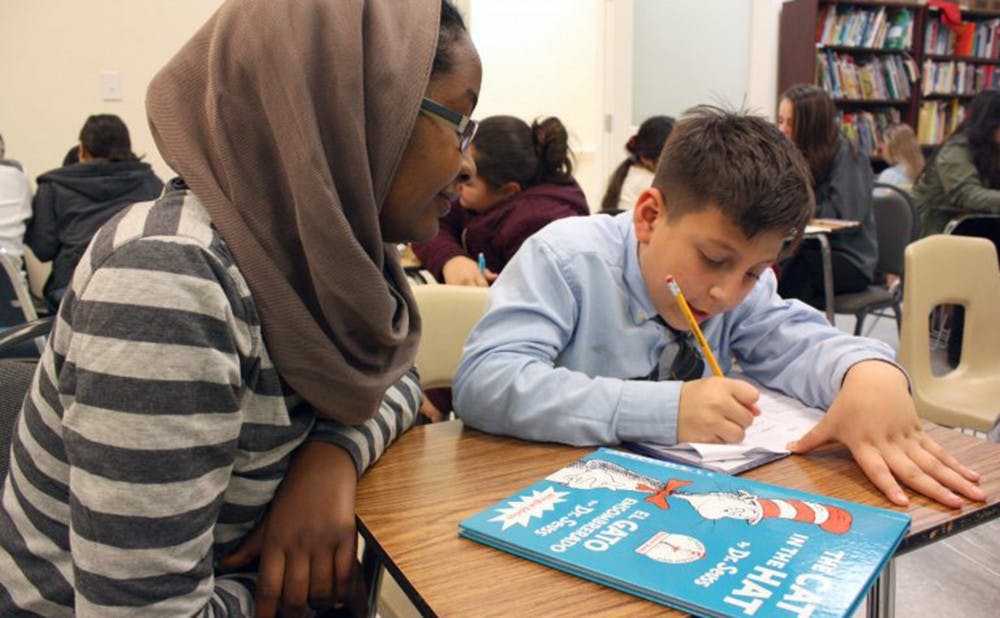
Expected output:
(894, 222)
(883, 187)
(448, 312)
(16, 305)
(944, 269)
(975, 224)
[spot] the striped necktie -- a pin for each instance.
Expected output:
(680, 359)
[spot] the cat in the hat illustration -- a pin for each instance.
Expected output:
(714, 505)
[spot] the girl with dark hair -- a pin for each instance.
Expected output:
(842, 183)
(963, 175)
(229, 358)
(635, 174)
(523, 182)
(74, 201)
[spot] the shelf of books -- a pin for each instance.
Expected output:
(891, 61)
(864, 57)
(960, 60)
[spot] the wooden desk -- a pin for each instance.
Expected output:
(409, 505)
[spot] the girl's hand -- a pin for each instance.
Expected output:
(462, 270)
(307, 543)
(875, 418)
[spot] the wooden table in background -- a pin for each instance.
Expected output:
(410, 503)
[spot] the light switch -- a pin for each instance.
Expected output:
(111, 86)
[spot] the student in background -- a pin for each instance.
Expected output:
(963, 178)
(255, 311)
(963, 175)
(73, 202)
(15, 204)
(584, 344)
(842, 181)
(72, 156)
(3, 156)
(902, 152)
(523, 181)
(635, 173)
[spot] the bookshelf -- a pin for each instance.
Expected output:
(957, 63)
(889, 61)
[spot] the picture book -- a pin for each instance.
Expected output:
(702, 542)
(782, 420)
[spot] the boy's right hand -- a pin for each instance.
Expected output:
(716, 410)
(462, 270)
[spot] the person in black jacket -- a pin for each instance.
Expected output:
(72, 202)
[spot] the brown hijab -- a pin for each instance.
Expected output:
(287, 118)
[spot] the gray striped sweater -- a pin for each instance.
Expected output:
(156, 430)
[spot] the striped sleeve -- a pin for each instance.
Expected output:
(151, 434)
(367, 441)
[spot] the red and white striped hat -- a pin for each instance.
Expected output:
(832, 519)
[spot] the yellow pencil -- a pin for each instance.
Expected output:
(693, 323)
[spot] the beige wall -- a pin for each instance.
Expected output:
(544, 59)
(52, 54)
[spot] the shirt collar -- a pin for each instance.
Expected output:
(640, 306)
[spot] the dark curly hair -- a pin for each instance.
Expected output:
(506, 150)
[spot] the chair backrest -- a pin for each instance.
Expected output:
(882, 188)
(15, 379)
(16, 306)
(981, 225)
(894, 230)
(448, 313)
(944, 269)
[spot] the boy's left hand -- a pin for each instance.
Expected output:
(875, 418)
(307, 543)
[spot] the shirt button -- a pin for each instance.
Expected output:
(641, 315)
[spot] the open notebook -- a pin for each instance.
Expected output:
(782, 419)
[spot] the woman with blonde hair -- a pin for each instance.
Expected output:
(902, 152)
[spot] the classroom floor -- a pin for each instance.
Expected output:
(959, 576)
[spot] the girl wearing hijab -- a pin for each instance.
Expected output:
(256, 310)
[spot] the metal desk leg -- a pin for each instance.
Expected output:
(371, 570)
(881, 602)
(824, 247)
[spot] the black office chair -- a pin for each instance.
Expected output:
(895, 218)
(15, 380)
(916, 232)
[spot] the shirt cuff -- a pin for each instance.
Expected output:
(647, 412)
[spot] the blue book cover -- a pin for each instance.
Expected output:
(699, 541)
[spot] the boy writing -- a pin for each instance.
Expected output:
(583, 343)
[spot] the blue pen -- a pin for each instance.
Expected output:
(482, 263)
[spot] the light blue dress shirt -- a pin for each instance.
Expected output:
(895, 175)
(569, 336)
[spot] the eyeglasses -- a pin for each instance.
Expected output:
(463, 125)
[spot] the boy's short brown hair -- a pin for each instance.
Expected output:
(741, 164)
